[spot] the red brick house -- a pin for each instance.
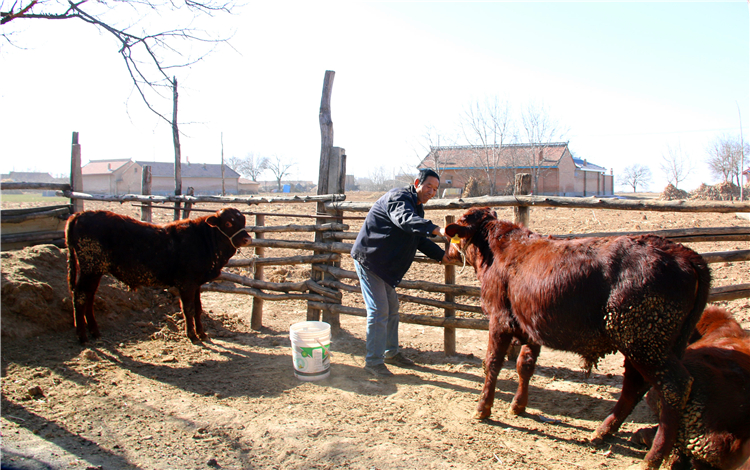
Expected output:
(554, 170)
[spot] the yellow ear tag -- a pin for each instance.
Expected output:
(455, 239)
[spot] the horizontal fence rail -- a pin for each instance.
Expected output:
(567, 202)
(203, 199)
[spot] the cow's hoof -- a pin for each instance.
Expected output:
(597, 438)
(203, 336)
(516, 410)
(481, 415)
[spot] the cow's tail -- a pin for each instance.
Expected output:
(71, 242)
(702, 290)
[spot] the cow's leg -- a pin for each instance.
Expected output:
(198, 312)
(83, 306)
(634, 386)
(187, 302)
(499, 340)
(525, 366)
(673, 383)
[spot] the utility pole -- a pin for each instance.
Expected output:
(223, 193)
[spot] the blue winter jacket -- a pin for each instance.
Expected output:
(395, 228)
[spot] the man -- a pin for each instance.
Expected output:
(395, 228)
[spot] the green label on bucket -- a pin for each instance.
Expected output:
(308, 352)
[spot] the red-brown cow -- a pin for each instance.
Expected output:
(182, 254)
(640, 295)
(715, 428)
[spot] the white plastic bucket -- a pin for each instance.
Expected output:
(310, 343)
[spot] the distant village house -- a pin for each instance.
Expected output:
(124, 176)
(554, 170)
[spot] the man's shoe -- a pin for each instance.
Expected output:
(400, 360)
(379, 370)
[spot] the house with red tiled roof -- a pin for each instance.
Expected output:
(553, 168)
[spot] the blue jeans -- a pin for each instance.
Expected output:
(381, 301)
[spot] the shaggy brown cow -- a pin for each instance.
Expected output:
(715, 428)
(182, 254)
(640, 295)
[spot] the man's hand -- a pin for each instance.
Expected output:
(447, 260)
(438, 232)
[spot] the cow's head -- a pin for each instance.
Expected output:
(231, 223)
(463, 232)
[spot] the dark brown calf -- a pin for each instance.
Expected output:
(641, 296)
(715, 428)
(182, 254)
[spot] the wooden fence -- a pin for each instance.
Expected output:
(323, 291)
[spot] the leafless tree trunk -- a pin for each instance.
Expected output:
(280, 167)
(675, 165)
(486, 127)
(252, 165)
(177, 151)
(540, 130)
(153, 37)
(725, 159)
(634, 176)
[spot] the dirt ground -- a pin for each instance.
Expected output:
(145, 397)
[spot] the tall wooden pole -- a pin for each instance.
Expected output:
(223, 192)
(177, 152)
(76, 176)
(326, 145)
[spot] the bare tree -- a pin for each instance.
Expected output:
(486, 127)
(725, 158)
(675, 165)
(154, 37)
(540, 130)
(379, 179)
(280, 167)
(433, 142)
(634, 176)
(251, 165)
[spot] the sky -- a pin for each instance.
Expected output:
(627, 81)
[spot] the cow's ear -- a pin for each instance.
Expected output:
(213, 221)
(454, 229)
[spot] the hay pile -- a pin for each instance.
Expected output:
(718, 192)
(36, 299)
(472, 189)
(671, 193)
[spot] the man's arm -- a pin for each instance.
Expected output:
(403, 214)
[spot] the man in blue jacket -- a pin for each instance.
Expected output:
(395, 228)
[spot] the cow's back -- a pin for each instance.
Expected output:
(136, 253)
(572, 294)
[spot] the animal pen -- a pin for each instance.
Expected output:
(323, 291)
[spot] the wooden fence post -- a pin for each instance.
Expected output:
(521, 188)
(326, 145)
(188, 205)
(146, 191)
(256, 319)
(449, 333)
(76, 176)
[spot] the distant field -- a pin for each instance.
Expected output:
(36, 198)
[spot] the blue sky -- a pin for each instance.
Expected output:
(626, 80)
